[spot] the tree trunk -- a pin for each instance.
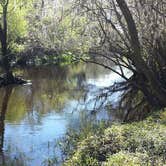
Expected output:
(137, 57)
(3, 38)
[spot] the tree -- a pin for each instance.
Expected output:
(54, 26)
(3, 40)
(124, 42)
(12, 29)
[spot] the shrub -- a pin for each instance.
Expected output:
(124, 144)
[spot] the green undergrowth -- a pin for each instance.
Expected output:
(135, 144)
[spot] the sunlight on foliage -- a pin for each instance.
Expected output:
(135, 144)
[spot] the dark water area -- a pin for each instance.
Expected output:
(34, 116)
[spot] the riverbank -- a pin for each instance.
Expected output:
(135, 144)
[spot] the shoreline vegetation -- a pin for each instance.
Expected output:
(34, 60)
(131, 144)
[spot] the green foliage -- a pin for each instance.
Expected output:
(59, 28)
(128, 159)
(84, 161)
(17, 27)
(54, 28)
(141, 143)
(17, 23)
(66, 58)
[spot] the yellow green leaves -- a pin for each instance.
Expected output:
(135, 144)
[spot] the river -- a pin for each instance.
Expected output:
(36, 115)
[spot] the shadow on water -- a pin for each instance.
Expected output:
(5, 100)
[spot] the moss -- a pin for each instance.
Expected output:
(138, 143)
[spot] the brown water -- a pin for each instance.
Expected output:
(33, 117)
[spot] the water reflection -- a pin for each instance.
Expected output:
(5, 99)
(35, 116)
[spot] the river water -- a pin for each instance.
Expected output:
(34, 116)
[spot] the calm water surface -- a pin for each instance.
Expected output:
(33, 117)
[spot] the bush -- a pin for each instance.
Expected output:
(139, 143)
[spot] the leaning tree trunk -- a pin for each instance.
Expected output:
(137, 58)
